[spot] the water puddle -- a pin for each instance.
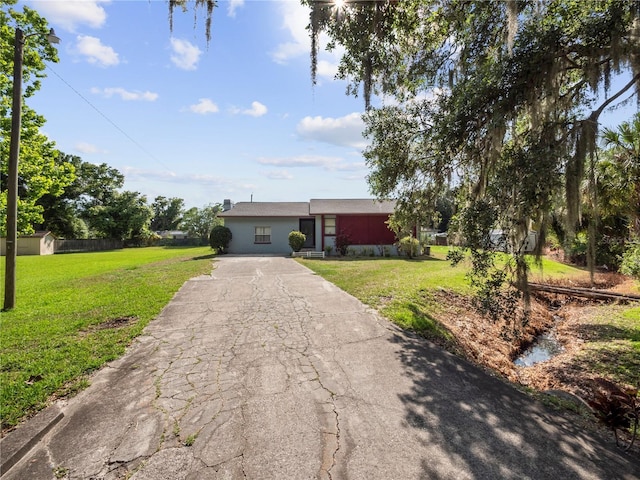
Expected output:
(545, 347)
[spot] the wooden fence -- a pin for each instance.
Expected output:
(86, 245)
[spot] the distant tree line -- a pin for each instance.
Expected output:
(93, 205)
(62, 193)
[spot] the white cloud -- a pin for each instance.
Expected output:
(95, 52)
(133, 173)
(352, 178)
(190, 183)
(71, 14)
(328, 163)
(295, 20)
(316, 161)
(327, 69)
(344, 131)
(185, 54)
(125, 94)
(233, 6)
(204, 106)
(353, 167)
(257, 110)
(278, 175)
(87, 148)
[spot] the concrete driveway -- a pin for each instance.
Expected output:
(266, 371)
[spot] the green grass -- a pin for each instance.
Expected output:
(403, 288)
(53, 338)
(612, 348)
(373, 278)
(399, 287)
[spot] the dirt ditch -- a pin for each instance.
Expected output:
(568, 376)
(484, 342)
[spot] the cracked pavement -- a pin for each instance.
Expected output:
(264, 370)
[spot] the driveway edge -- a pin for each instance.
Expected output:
(17, 443)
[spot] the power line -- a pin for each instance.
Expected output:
(129, 137)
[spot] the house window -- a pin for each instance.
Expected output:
(329, 225)
(263, 235)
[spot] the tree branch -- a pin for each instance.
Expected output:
(596, 113)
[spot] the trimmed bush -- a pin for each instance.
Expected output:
(410, 246)
(219, 238)
(296, 240)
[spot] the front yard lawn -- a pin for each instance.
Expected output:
(75, 312)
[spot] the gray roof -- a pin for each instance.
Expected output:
(351, 206)
(268, 209)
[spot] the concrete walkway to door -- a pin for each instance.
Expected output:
(264, 370)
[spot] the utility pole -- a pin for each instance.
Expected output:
(12, 180)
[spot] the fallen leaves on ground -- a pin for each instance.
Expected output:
(484, 342)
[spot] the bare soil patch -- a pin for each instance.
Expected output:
(112, 323)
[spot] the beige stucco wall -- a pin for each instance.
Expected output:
(31, 245)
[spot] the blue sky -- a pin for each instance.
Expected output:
(179, 118)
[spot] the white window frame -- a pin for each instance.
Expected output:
(262, 235)
(332, 227)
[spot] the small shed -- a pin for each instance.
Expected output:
(40, 243)
(500, 242)
(172, 234)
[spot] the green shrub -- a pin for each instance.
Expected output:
(296, 240)
(367, 252)
(219, 238)
(578, 249)
(552, 240)
(410, 246)
(609, 252)
(631, 261)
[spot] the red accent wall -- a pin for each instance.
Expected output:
(366, 229)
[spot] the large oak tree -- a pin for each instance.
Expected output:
(501, 98)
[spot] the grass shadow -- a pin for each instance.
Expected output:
(205, 257)
(415, 316)
(611, 351)
(598, 333)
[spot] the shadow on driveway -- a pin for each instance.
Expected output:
(492, 430)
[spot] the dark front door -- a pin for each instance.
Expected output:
(308, 227)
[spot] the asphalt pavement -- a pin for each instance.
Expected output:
(264, 370)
